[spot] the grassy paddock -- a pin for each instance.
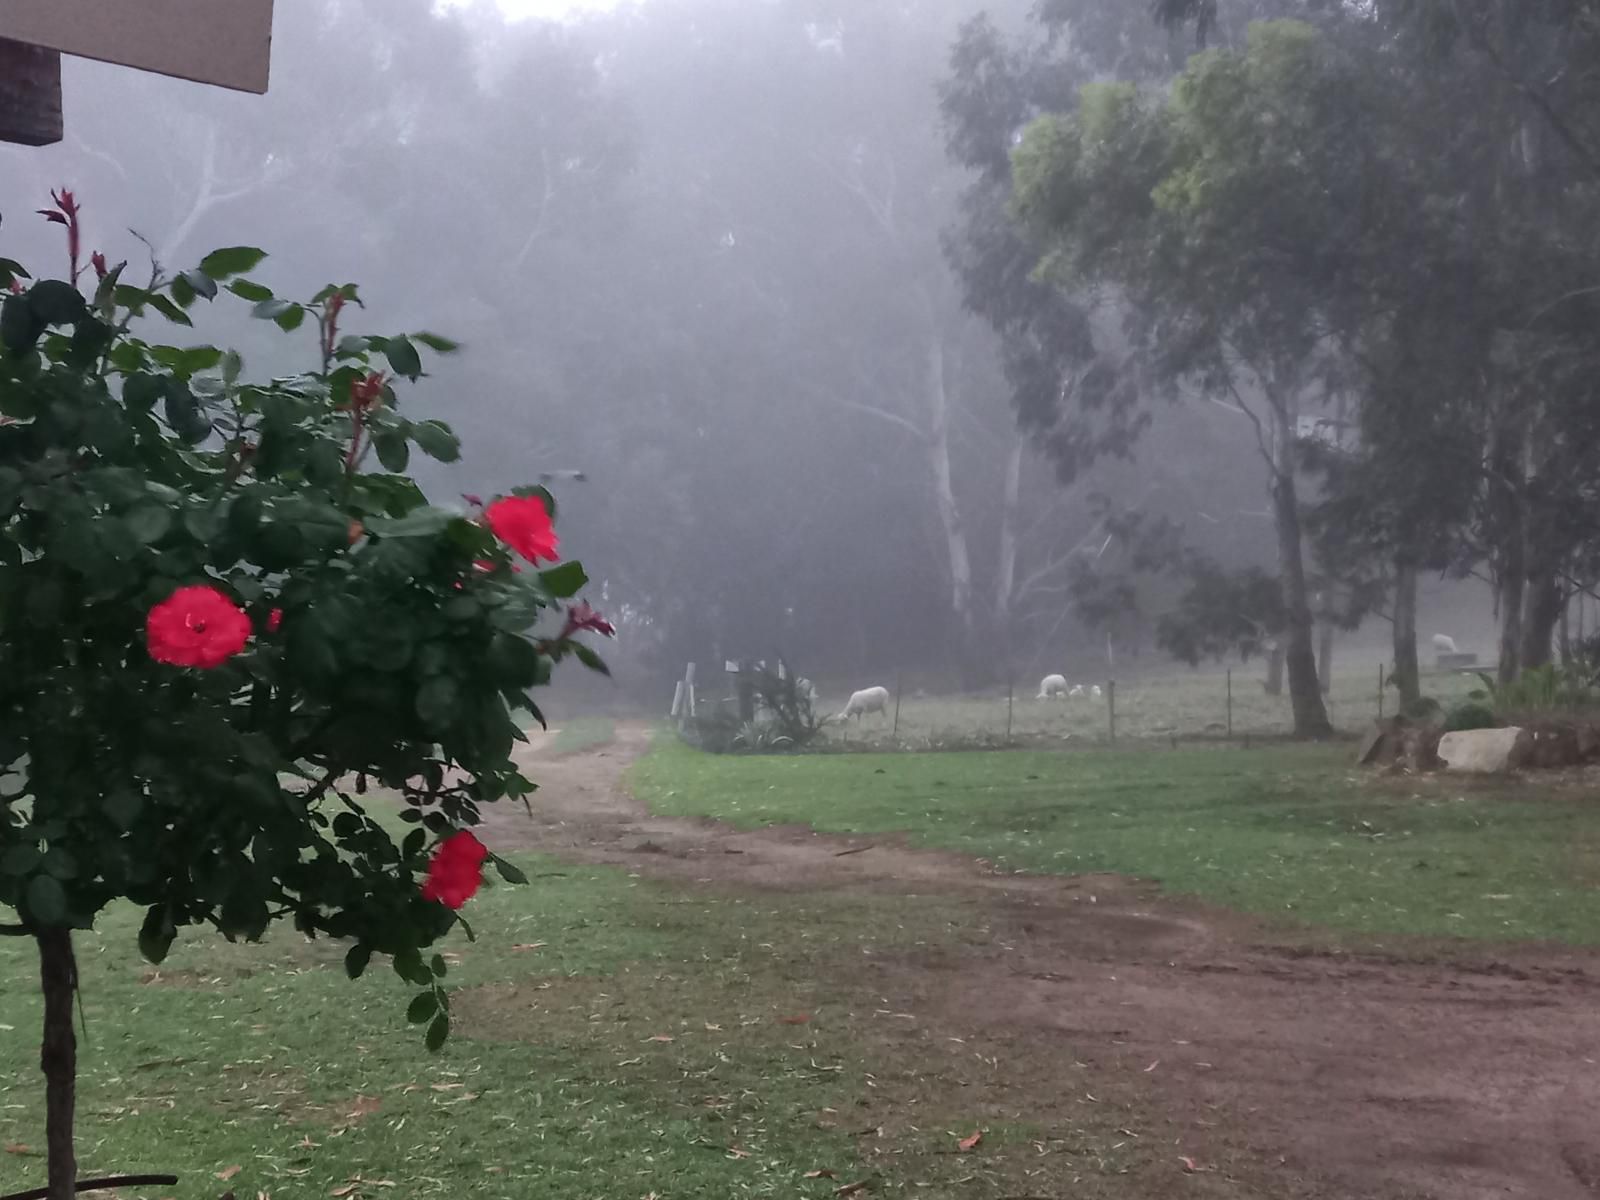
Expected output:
(1190, 704)
(582, 733)
(1290, 832)
(614, 1039)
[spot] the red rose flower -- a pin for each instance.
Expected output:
(274, 620)
(523, 523)
(196, 626)
(98, 262)
(455, 872)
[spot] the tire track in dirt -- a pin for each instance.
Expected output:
(1377, 1076)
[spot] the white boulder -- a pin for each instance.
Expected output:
(1485, 751)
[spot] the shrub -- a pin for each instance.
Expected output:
(1469, 714)
(220, 620)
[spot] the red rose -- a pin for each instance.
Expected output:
(455, 872)
(196, 626)
(523, 523)
(274, 620)
(98, 261)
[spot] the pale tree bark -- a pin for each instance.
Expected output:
(1005, 584)
(1406, 674)
(1305, 694)
(1507, 476)
(937, 448)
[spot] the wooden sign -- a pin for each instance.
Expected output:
(222, 42)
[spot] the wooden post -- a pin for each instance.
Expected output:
(688, 690)
(1011, 688)
(899, 686)
(1230, 702)
(30, 94)
(1111, 708)
(677, 700)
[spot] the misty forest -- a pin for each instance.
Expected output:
(1083, 677)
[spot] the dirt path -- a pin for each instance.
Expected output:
(1384, 1079)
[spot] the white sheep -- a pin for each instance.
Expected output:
(872, 699)
(1077, 690)
(1052, 686)
(1095, 691)
(1445, 644)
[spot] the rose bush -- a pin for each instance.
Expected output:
(225, 613)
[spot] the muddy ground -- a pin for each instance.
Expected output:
(1463, 1075)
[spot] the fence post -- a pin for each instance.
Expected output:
(1111, 707)
(899, 686)
(1230, 703)
(688, 690)
(1380, 691)
(677, 700)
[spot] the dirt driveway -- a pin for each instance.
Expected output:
(1373, 1077)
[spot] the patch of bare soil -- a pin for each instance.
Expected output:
(1371, 1076)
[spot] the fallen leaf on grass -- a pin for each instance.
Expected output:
(347, 1190)
(1189, 1164)
(529, 946)
(228, 1173)
(970, 1143)
(822, 1174)
(662, 1037)
(1152, 1066)
(18, 1148)
(735, 1152)
(850, 1189)
(797, 1019)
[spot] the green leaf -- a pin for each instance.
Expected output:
(508, 872)
(123, 806)
(356, 959)
(437, 1032)
(149, 523)
(439, 345)
(291, 320)
(436, 440)
(271, 310)
(247, 289)
(169, 310)
(564, 581)
(19, 860)
(201, 284)
(140, 392)
(11, 270)
(55, 302)
(231, 260)
(424, 1007)
(590, 659)
(423, 522)
(156, 934)
(437, 701)
(393, 452)
(19, 327)
(403, 357)
(184, 416)
(46, 900)
(232, 365)
(408, 965)
(438, 966)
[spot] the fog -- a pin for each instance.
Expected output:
(755, 268)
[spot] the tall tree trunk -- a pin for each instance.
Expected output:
(1005, 582)
(58, 1058)
(1305, 694)
(1564, 633)
(1507, 453)
(1325, 656)
(1406, 675)
(1543, 604)
(1274, 681)
(955, 536)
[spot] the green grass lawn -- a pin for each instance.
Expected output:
(1285, 831)
(614, 1039)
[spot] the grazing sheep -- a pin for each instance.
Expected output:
(1077, 690)
(1095, 691)
(1052, 686)
(872, 699)
(1445, 644)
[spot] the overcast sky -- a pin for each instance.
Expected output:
(544, 9)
